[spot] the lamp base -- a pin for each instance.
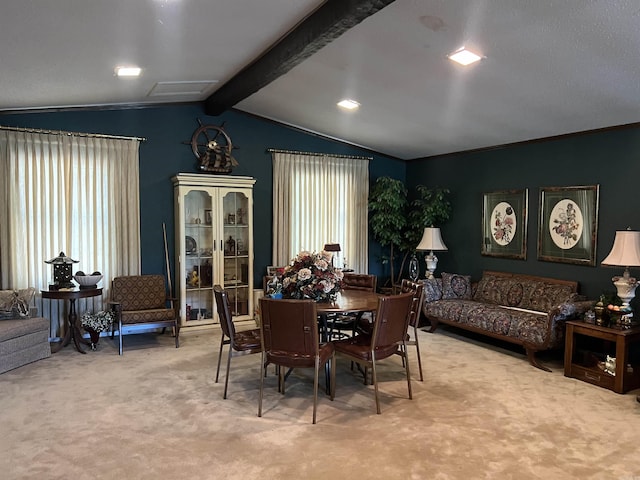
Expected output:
(626, 289)
(432, 263)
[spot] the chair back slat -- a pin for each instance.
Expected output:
(359, 281)
(417, 288)
(224, 312)
(290, 327)
(392, 320)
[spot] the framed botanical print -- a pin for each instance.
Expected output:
(504, 224)
(568, 225)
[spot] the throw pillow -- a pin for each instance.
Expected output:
(432, 289)
(456, 286)
(16, 303)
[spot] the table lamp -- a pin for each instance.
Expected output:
(625, 253)
(431, 241)
(334, 248)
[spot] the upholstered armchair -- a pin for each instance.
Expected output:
(141, 303)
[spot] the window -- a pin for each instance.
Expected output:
(68, 193)
(319, 199)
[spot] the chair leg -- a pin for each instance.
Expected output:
(315, 387)
(262, 362)
(408, 371)
(219, 356)
(176, 332)
(120, 337)
(226, 378)
(415, 338)
(333, 376)
(375, 380)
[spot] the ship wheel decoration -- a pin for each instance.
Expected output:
(212, 147)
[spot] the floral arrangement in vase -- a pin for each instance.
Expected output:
(311, 275)
(93, 324)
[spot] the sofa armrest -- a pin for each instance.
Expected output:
(570, 310)
(559, 314)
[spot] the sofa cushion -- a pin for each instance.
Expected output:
(522, 292)
(456, 286)
(529, 327)
(14, 328)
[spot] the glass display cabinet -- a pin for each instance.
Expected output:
(214, 244)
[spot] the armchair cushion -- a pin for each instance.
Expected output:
(146, 316)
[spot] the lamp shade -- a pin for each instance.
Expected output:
(625, 251)
(431, 240)
(331, 247)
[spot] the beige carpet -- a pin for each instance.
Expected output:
(482, 412)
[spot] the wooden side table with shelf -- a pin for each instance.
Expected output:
(585, 343)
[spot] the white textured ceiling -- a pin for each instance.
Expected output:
(552, 67)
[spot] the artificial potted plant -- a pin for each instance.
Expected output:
(398, 224)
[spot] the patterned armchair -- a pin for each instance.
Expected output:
(140, 303)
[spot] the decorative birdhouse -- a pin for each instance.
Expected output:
(62, 271)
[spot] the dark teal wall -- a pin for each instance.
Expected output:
(165, 154)
(610, 158)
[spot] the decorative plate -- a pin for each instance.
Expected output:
(190, 245)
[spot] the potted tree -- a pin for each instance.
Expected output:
(398, 224)
(387, 217)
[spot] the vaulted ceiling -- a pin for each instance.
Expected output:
(548, 67)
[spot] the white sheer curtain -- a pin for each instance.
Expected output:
(61, 192)
(320, 199)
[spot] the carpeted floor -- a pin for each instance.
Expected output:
(482, 412)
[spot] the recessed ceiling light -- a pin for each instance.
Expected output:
(464, 56)
(348, 104)
(128, 71)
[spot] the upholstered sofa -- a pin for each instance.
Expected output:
(521, 309)
(24, 337)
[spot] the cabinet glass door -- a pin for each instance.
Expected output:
(198, 265)
(235, 211)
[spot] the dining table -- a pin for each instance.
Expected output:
(346, 301)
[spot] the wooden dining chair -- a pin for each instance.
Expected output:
(388, 338)
(347, 322)
(290, 339)
(417, 289)
(240, 342)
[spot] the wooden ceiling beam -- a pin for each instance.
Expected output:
(320, 28)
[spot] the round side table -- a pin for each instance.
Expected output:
(73, 329)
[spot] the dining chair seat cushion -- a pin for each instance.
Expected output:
(360, 347)
(247, 340)
(293, 360)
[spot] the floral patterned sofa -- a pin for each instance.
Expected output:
(521, 309)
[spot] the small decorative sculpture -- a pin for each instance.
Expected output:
(610, 365)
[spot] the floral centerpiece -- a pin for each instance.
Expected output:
(311, 275)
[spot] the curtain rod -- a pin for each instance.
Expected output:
(297, 152)
(77, 134)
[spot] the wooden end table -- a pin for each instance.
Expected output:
(73, 329)
(615, 342)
